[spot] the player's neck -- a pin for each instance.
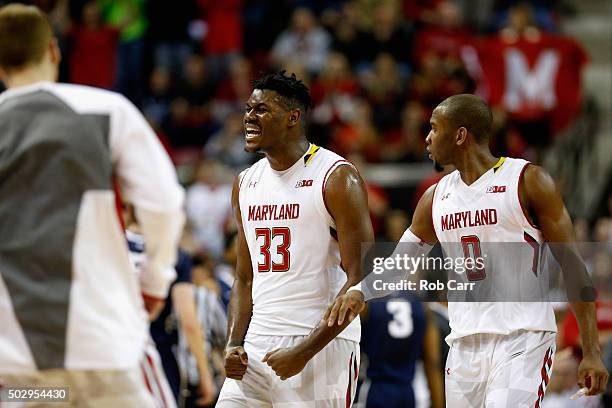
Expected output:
(475, 163)
(28, 76)
(285, 157)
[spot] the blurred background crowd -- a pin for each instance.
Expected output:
(376, 69)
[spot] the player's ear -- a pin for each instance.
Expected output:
(294, 116)
(55, 55)
(461, 136)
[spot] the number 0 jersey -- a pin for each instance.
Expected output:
(473, 220)
(290, 235)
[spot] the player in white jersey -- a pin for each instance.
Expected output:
(302, 216)
(501, 352)
(71, 308)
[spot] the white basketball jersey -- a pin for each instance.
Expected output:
(295, 258)
(476, 218)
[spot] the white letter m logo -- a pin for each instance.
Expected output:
(535, 88)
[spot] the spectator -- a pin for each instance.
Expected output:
(407, 144)
(388, 34)
(224, 21)
(191, 122)
(234, 88)
(227, 145)
(358, 134)
(384, 88)
(346, 33)
(128, 16)
(94, 49)
(378, 200)
(334, 94)
(156, 106)
(532, 74)
(223, 38)
(169, 23)
(209, 208)
(303, 41)
(445, 37)
(72, 312)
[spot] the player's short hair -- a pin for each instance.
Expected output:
(25, 33)
(471, 112)
(293, 91)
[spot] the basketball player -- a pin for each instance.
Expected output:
(302, 215)
(398, 332)
(71, 310)
(501, 353)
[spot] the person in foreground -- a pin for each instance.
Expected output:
(71, 309)
(302, 215)
(501, 352)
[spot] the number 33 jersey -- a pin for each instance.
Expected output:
(486, 220)
(292, 242)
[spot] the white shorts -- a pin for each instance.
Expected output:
(499, 371)
(327, 381)
(155, 378)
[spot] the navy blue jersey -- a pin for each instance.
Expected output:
(392, 337)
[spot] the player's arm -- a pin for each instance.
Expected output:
(431, 361)
(417, 240)
(546, 207)
(422, 220)
(147, 180)
(241, 302)
(347, 201)
(153, 306)
(183, 301)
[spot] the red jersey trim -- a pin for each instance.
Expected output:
(518, 193)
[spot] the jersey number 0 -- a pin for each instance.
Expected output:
(281, 237)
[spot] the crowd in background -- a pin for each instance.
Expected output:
(376, 69)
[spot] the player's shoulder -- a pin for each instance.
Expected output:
(88, 99)
(326, 162)
(536, 180)
(324, 155)
(515, 162)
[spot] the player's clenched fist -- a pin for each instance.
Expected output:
(286, 362)
(236, 362)
(347, 306)
(592, 374)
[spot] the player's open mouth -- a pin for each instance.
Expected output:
(252, 132)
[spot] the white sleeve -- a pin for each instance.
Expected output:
(148, 180)
(395, 268)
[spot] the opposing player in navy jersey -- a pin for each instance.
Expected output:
(302, 216)
(501, 352)
(397, 333)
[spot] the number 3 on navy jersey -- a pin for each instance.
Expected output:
(279, 260)
(401, 326)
